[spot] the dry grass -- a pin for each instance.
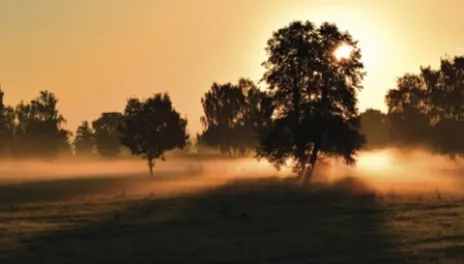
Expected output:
(103, 220)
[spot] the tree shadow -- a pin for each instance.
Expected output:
(49, 190)
(259, 221)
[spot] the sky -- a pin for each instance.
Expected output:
(95, 54)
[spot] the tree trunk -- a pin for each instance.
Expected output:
(151, 164)
(310, 165)
(319, 140)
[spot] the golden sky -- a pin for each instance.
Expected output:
(94, 54)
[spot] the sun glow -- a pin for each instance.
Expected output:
(343, 52)
(377, 161)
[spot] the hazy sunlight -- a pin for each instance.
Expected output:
(375, 161)
(343, 52)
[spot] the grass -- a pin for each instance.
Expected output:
(255, 221)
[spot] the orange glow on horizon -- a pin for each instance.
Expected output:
(95, 54)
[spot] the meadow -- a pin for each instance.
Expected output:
(179, 216)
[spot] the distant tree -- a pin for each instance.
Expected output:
(407, 110)
(315, 95)
(7, 126)
(446, 112)
(107, 135)
(426, 109)
(152, 127)
(84, 141)
(233, 113)
(223, 107)
(376, 128)
(39, 130)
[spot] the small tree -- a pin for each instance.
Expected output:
(84, 142)
(152, 127)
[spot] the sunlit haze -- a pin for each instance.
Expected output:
(96, 54)
(380, 171)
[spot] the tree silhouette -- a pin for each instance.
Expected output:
(84, 141)
(407, 109)
(376, 127)
(233, 114)
(426, 109)
(315, 95)
(107, 135)
(151, 127)
(39, 132)
(223, 108)
(7, 126)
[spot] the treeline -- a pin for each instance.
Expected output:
(425, 110)
(147, 128)
(307, 112)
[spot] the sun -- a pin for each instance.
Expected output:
(343, 51)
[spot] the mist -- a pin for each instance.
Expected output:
(400, 172)
(386, 171)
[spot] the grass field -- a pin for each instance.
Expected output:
(135, 219)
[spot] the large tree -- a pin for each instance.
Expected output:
(7, 126)
(84, 141)
(39, 131)
(151, 127)
(233, 115)
(107, 135)
(315, 95)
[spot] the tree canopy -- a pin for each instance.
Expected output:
(151, 127)
(233, 115)
(315, 96)
(376, 127)
(39, 129)
(426, 109)
(107, 135)
(84, 140)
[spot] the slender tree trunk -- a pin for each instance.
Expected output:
(307, 173)
(151, 164)
(310, 165)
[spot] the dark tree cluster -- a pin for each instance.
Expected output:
(377, 129)
(307, 112)
(33, 129)
(427, 109)
(234, 115)
(147, 128)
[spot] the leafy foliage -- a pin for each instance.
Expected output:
(84, 142)
(314, 94)
(151, 127)
(376, 127)
(107, 134)
(233, 115)
(426, 109)
(38, 131)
